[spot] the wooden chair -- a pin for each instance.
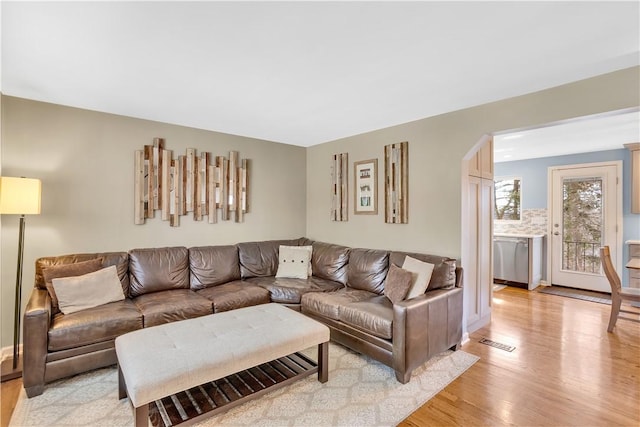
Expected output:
(618, 293)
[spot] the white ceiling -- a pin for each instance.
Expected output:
(581, 135)
(304, 73)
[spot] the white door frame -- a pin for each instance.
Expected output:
(618, 243)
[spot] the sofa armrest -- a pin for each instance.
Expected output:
(425, 326)
(459, 277)
(37, 320)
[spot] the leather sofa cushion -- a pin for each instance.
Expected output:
(236, 294)
(260, 259)
(330, 261)
(64, 271)
(213, 265)
(103, 323)
(367, 269)
(444, 272)
(119, 259)
(290, 291)
(158, 269)
(327, 304)
(158, 308)
(373, 315)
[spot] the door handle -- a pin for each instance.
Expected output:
(556, 233)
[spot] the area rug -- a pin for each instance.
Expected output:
(360, 392)
(599, 297)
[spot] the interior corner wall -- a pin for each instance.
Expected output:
(85, 160)
(437, 146)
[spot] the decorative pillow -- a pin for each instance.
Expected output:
(397, 283)
(293, 262)
(67, 270)
(89, 290)
(422, 278)
(310, 250)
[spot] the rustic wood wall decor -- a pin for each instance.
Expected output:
(339, 187)
(197, 183)
(396, 183)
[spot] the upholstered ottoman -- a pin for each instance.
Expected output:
(160, 361)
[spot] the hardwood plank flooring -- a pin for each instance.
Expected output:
(566, 369)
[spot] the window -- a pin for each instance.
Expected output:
(507, 200)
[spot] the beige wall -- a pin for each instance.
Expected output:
(85, 161)
(437, 146)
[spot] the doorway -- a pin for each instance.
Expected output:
(586, 208)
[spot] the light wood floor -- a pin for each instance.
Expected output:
(566, 369)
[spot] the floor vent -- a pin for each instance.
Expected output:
(497, 345)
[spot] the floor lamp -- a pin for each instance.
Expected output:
(18, 196)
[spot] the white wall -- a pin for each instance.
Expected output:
(85, 162)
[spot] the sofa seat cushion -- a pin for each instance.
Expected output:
(328, 304)
(373, 315)
(98, 324)
(168, 306)
(290, 291)
(236, 294)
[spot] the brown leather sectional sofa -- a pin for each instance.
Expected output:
(163, 285)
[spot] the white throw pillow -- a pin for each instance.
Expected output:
(89, 290)
(293, 262)
(310, 250)
(421, 280)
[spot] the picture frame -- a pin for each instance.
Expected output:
(366, 187)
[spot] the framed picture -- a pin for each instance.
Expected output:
(366, 187)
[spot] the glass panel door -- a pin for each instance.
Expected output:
(583, 224)
(585, 200)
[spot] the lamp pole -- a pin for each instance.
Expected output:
(18, 299)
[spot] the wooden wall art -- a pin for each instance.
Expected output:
(339, 187)
(396, 183)
(197, 183)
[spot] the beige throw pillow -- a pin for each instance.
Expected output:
(67, 270)
(293, 262)
(89, 290)
(422, 278)
(397, 283)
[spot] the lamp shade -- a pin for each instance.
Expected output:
(19, 195)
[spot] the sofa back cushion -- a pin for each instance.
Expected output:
(367, 269)
(260, 259)
(158, 269)
(330, 261)
(444, 272)
(213, 265)
(119, 259)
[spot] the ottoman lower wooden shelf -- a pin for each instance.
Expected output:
(157, 362)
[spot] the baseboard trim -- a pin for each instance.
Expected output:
(7, 372)
(465, 338)
(7, 353)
